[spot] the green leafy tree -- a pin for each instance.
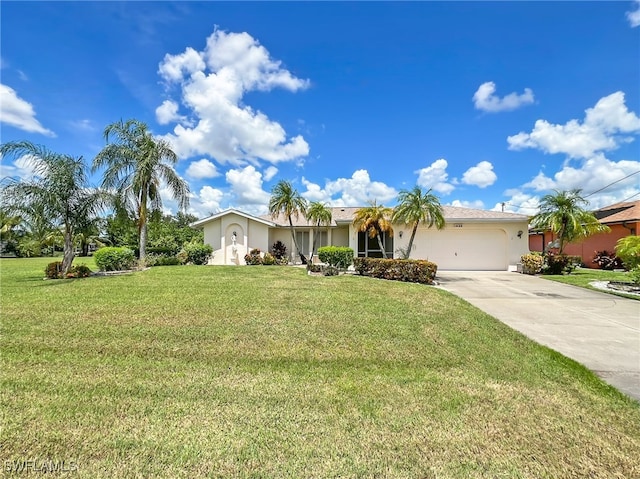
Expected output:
(415, 207)
(285, 199)
(628, 250)
(563, 214)
(320, 215)
(136, 164)
(60, 188)
(374, 220)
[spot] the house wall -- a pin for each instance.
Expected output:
(586, 249)
(249, 235)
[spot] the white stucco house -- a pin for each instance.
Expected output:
(471, 240)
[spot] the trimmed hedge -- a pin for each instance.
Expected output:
(340, 257)
(408, 270)
(560, 263)
(112, 258)
(195, 253)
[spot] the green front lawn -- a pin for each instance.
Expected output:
(583, 276)
(195, 371)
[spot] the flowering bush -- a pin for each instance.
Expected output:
(532, 263)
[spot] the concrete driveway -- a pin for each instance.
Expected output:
(599, 330)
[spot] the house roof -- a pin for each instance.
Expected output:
(202, 222)
(345, 214)
(619, 213)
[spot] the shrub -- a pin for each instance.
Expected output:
(634, 275)
(80, 271)
(197, 253)
(113, 258)
(163, 250)
(268, 259)
(560, 263)
(607, 260)
(532, 263)
(409, 270)
(53, 270)
(279, 251)
(628, 250)
(254, 257)
(162, 260)
(340, 257)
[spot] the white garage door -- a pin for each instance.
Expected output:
(465, 249)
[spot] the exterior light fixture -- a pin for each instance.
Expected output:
(400, 233)
(520, 234)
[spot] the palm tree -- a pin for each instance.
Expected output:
(136, 165)
(563, 215)
(60, 189)
(319, 214)
(374, 220)
(415, 207)
(285, 199)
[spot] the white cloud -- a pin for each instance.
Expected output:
(634, 16)
(205, 202)
(17, 112)
(202, 169)
(168, 112)
(246, 187)
(475, 204)
(481, 175)
(269, 173)
(213, 83)
(485, 99)
(23, 168)
(605, 126)
(358, 190)
(435, 177)
(84, 125)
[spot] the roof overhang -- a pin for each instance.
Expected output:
(204, 221)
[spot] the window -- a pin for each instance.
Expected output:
(369, 248)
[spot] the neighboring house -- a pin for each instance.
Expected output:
(622, 218)
(471, 240)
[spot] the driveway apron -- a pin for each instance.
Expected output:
(599, 330)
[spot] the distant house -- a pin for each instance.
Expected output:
(622, 218)
(472, 239)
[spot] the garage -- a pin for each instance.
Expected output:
(464, 248)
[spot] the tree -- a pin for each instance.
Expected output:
(415, 207)
(562, 214)
(374, 220)
(285, 199)
(135, 165)
(60, 188)
(319, 214)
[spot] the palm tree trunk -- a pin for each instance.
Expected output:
(413, 235)
(303, 259)
(384, 253)
(143, 241)
(67, 258)
(315, 240)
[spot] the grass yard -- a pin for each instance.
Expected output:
(265, 372)
(583, 276)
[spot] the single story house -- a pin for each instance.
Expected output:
(622, 218)
(471, 240)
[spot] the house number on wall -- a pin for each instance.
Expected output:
(457, 225)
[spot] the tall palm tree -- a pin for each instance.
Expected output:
(562, 213)
(319, 214)
(415, 207)
(374, 220)
(285, 199)
(136, 165)
(60, 188)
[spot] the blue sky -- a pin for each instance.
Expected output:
(483, 102)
